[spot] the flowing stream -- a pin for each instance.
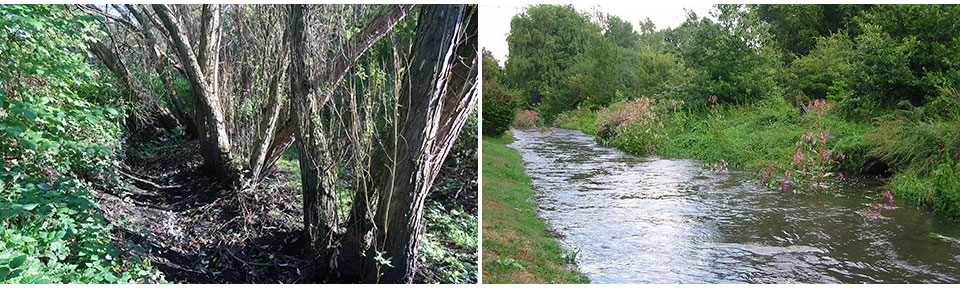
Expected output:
(652, 220)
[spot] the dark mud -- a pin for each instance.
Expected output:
(195, 229)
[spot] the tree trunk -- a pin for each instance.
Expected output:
(321, 220)
(301, 85)
(268, 124)
(436, 99)
(202, 75)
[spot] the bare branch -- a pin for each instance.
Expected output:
(359, 44)
(92, 9)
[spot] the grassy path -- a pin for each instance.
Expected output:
(518, 247)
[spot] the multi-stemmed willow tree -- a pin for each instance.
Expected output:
(373, 95)
(399, 140)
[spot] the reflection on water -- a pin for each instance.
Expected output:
(652, 220)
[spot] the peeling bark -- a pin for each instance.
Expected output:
(215, 141)
(436, 97)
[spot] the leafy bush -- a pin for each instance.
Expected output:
(527, 119)
(634, 125)
(658, 73)
(598, 76)
(53, 142)
(905, 52)
(498, 109)
(725, 65)
(826, 72)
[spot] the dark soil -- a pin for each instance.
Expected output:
(193, 228)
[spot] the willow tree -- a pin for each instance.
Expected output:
(201, 69)
(394, 142)
(109, 55)
(237, 104)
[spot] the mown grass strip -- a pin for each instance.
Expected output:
(518, 247)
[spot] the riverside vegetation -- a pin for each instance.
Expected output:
(801, 94)
(518, 247)
(152, 144)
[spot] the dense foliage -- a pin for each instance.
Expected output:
(58, 139)
(90, 93)
(553, 37)
(499, 103)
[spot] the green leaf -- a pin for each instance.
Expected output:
(10, 213)
(29, 207)
(112, 111)
(17, 261)
(29, 114)
(28, 144)
(110, 277)
(15, 130)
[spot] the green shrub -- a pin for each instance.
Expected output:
(725, 65)
(498, 109)
(580, 119)
(905, 52)
(825, 73)
(54, 142)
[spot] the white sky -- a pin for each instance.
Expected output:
(495, 16)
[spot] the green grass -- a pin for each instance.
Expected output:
(919, 146)
(518, 247)
(741, 135)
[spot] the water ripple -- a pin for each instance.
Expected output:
(652, 220)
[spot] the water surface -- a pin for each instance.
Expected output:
(652, 220)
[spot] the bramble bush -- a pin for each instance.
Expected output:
(54, 141)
